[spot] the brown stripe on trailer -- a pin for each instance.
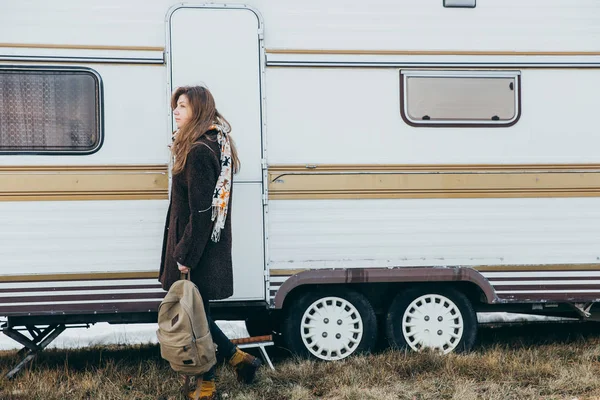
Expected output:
(81, 297)
(82, 288)
(538, 268)
(432, 274)
(550, 297)
(78, 308)
(494, 279)
(543, 286)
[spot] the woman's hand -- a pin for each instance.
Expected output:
(183, 268)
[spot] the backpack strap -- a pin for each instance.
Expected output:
(198, 387)
(185, 276)
(187, 387)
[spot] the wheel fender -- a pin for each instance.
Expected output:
(382, 275)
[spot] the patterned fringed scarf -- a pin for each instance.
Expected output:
(220, 201)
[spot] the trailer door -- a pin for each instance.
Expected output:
(220, 47)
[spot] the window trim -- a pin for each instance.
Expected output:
(99, 109)
(404, 74)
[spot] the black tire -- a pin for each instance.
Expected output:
(440, 333)
(343, 301)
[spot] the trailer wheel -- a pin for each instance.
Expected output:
(440, 319)
(330, 326)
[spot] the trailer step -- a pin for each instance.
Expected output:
(256, 341)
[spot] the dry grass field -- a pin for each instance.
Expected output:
(533, 361)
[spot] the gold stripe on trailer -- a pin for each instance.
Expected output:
(430, 52)
(432, 181)
(92, 276)
(285, 272)
(114, 182)
(79, 63)
(80, 47)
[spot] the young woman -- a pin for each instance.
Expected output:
(198, 229)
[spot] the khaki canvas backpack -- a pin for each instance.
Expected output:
(183, 333)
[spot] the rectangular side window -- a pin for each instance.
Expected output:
(460, 98)
(48, 111)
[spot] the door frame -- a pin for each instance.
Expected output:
(263, 124)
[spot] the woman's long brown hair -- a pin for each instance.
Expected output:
(204, 114)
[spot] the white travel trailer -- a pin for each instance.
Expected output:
(403, 162)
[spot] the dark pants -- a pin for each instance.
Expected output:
(225, 349)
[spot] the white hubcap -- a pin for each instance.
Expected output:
(331, 328)
(432, 321)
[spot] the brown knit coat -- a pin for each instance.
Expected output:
(189, 226)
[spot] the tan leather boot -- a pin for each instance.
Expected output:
(206, 391)
(245, 365)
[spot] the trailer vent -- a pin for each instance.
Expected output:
(459, 3)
